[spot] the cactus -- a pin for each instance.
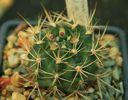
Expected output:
(67, 60)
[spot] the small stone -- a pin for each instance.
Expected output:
(9, 45)
(113, 52)
(119, 60)
(11, 51)
(13, 60)
(26, 93)
(4, 92)
(12, 38)
(18, 96)
(91, 90)
(8, 72)
(109, 37)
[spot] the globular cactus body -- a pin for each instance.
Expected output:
(66, 60)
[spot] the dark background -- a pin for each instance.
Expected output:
(113, 11)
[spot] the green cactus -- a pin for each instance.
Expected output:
(62, 59)
(67, 59)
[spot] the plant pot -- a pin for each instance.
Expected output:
(9, 25)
